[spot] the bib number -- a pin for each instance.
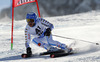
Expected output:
(38, 30)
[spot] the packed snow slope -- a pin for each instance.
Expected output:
(84, 26)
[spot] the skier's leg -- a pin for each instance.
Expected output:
(39, 42)
(56, 43)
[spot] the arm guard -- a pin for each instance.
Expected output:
(27, 38)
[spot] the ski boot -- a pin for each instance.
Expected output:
(29, 53)
(52, 49)
(68, 50)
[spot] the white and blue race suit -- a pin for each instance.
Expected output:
(38, 32)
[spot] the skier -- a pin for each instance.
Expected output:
(41, 30)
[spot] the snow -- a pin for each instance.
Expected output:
(84, 26)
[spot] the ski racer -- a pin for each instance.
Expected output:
(41, 30)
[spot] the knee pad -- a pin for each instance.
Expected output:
(39, 44)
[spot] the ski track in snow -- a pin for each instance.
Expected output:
(72, 26)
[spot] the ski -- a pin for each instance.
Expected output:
(60, 55)
(75, 50)
(52, 52)
(43, 53)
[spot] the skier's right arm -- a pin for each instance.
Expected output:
(27, 37)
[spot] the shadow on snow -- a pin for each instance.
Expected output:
(18, 57)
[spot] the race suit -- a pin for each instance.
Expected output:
(38, 32)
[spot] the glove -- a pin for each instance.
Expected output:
(47, 32)
(29, 52)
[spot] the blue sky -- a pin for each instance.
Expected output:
(4, 3)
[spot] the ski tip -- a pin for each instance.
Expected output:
(52, 55)
(24, 55)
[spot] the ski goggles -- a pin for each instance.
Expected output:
(30, 20)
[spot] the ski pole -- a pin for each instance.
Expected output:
(75, 39)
